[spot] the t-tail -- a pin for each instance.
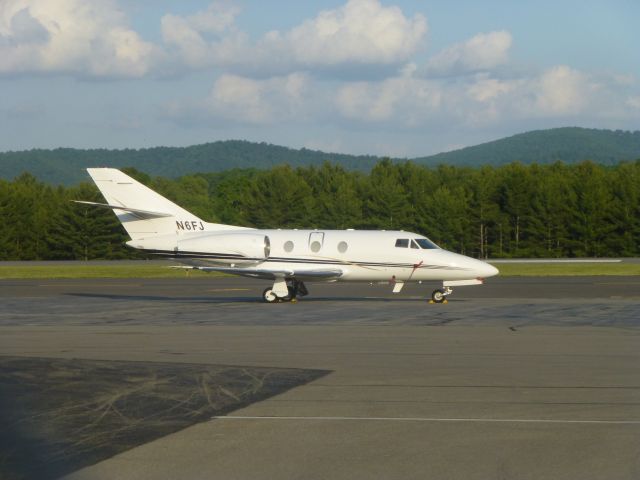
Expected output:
(145, 214)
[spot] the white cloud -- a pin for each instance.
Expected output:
(70, 36)
(405, 100)
(260, 81)
(409, 101)
(207, 38)
(484, 51)
(562, 90)
(361, 31)
(218, 18)
(253, 101)
(94, 39)
(485, 88)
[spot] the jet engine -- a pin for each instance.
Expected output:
(227, 248)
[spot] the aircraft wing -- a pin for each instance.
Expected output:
(302, 274)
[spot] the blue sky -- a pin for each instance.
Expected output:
(400, 78)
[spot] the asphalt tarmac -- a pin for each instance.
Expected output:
(59, 415)
(521, 378)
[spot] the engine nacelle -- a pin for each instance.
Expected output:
(227, 248)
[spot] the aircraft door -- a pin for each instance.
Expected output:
(316, 239)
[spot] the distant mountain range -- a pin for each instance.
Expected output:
(570, 144)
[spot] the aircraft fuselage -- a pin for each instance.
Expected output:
(362, 255)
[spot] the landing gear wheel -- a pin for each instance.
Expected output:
(438, 296)
(269, 296)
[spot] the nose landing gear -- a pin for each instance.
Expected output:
(440, 295)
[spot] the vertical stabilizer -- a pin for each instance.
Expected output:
(144, 212)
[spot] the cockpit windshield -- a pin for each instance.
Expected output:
(426, 243)
(416, 243)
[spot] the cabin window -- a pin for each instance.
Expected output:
(288, 246)
(342, 247)
(315, 246)
(402, 242)
(426, 243)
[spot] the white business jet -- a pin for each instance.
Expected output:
(287, 257)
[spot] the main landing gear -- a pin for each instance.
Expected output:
(440, 295)
(294, 289)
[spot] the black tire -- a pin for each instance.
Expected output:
(438, 296)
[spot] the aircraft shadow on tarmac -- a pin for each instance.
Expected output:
(163, 298)
(237, 299)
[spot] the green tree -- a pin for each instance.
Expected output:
(482, 185)
(624, 182)
(280, 198)
(386, 206)
(84, 232)
(592, 221)
(515, 194)
(228, 192)
(335, 191)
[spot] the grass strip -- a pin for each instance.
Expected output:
(566, 269)
(96, 271)
(123, 270)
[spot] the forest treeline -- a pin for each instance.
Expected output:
(516, 210)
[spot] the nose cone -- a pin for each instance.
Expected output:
(485, 270)
(469, 267)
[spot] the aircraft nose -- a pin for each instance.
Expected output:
(474, 268)
(485, 270)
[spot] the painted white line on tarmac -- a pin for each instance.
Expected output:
(84, 284)
(229, 290)
(432, 419)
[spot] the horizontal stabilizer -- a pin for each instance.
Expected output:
(141, 214)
